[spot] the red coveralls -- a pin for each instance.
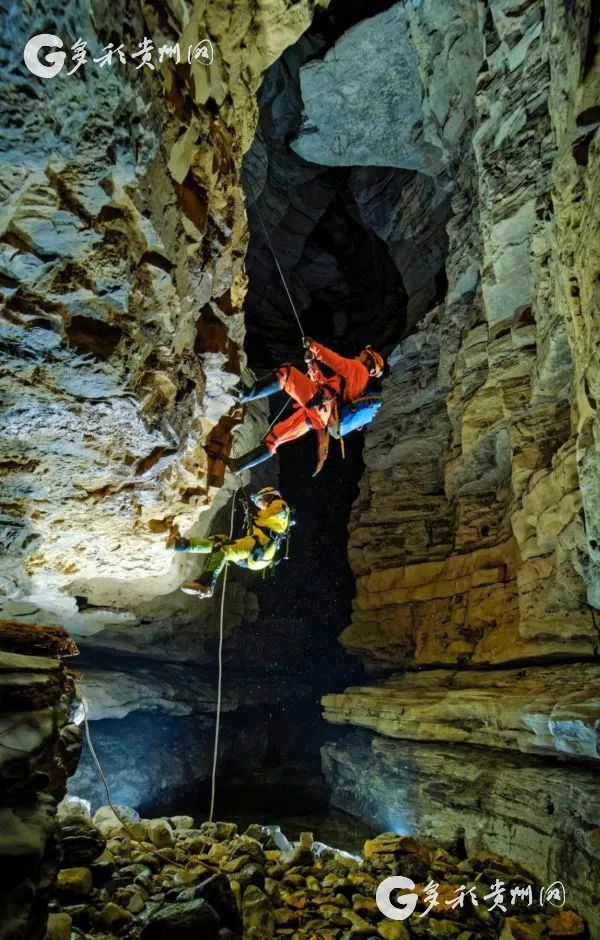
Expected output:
(348, 383)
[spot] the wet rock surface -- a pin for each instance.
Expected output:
(214, 882)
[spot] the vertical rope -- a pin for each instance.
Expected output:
(213, 784)
(276, 418)
(283, 280)
(122, 821)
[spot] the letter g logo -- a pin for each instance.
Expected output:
(406, 903)
(30, 55)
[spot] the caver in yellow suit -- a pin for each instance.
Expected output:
(257, 550)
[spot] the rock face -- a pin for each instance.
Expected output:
(39, 748)
(350, 94)
(548, 711)
(474, 536)
(474, 539)
(544, 818)
(122, 242)
(341, 276)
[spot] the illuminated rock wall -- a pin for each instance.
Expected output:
(474, 538)
(122, 243)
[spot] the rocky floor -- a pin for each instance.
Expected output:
(166, 878)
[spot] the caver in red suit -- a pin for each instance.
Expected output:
(316, 396)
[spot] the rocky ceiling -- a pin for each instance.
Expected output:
(359, 229)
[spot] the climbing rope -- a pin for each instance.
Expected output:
(270, 244)
(213, 784)
(277, 417)
(122, 821)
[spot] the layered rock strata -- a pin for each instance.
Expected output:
(543, 818)
(39, 749)
(473, 539)
(552, 711)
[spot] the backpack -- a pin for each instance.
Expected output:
(356, 414)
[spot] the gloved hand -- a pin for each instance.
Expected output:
(307, 341)
(181, 545)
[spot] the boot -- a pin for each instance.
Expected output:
(261, 389)
(197, 589)
(252, 459)
(181, 545)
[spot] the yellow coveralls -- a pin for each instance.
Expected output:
(255, 550)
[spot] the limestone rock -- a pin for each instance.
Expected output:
(122, 259)
(349, 94)
(112, 916)
(160, 833)
(467, 538)
(393, 930)
(543, 710)
(187, 920)
(258, 914)
(520, 806)
(59, 927)
(39, 748)
(81, 841)
(74, 882)
(182, 822)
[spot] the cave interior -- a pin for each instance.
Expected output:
(418, 175)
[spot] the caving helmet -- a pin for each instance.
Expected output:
(376, 362)
(268, 492)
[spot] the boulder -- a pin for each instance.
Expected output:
(74, 882)
(220, 831)
(258, 914)
(160, 833)
(114, 916)
(73, 806)
(566, 924)
(59, 927)
(183, 921)
(80, 840)
(270, 837)
(182, 822)
(216, 891)
(393, 930)
(105, 817)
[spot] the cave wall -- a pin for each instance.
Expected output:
(473, 540)
(474, 537)
(123, 236)
(122, 242)
(39, 749)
